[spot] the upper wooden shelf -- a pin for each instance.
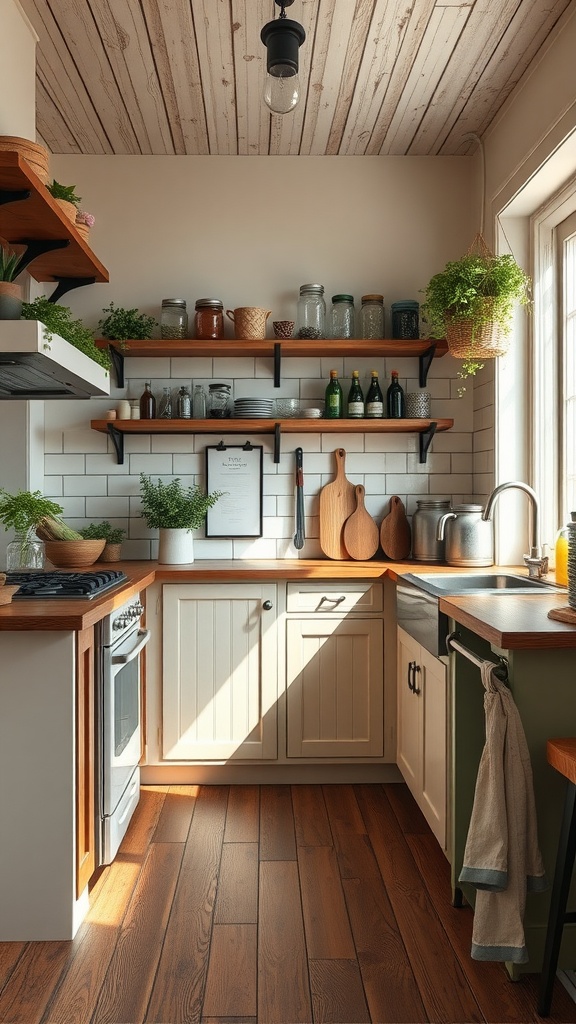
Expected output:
(39, 218)
(291, 347)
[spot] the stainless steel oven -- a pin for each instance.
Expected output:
(120, 640)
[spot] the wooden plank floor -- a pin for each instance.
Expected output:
(270, 905)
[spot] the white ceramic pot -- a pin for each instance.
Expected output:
(176, 547)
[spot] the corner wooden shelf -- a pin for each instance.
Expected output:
(425, 350)
(116, 429)
(30, 216)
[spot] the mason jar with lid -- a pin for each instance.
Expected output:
(405, 320)
(342, 316)
(425, 545)
(372, 317)
(311, 316)
(173, 319)
(209, 319)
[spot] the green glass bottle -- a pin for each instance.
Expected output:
(355, 408)
(395, 404)
(374, 399)
(334, 400)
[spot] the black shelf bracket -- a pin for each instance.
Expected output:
(118, 442)
(277, 432)
(425, 440)
(38, 247)
(14, 195)
(277, 363)
(66, 284)
(424, 363)
(117, 358)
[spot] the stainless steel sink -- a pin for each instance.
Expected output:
(478, 583)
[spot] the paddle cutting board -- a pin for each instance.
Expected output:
(395, 533)
(337, 503)
(361, 536)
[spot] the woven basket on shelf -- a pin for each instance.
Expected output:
(35, 155)
(82, 229)
(488, 341)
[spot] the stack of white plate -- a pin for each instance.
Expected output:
(254, 408)
(572, 563)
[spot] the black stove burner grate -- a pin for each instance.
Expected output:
(64, 584)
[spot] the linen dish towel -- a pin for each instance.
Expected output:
(502, 858)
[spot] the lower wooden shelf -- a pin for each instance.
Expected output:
(116, 429)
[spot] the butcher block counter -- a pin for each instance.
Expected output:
(510, 621)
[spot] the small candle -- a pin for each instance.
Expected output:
(123, 410)
(110, 414)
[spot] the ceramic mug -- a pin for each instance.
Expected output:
(283, 328)
(249, 322)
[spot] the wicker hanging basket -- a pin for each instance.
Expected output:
(468, 340)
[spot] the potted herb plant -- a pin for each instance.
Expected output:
(113, 535)
(174, 510)
(65, 196)
(10, 292)
(25, 512)
(58, 319)
(126, 324)
(471, 301)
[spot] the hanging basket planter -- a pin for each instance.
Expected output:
(467, 340)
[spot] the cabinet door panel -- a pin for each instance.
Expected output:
(220, 675)
(434, 780)
(409, 730)
(335, 688)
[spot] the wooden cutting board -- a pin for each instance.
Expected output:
(361, 536)
(563, 614)
(337, 503)
(395, 533)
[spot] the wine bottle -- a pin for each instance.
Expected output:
(374, 399)
(334, 399)
(355, 398)
(147, 404)
(395, 403)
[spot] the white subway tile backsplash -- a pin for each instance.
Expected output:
(278, 484)
(74, 485)
(53, 441)
(189, 465)
(350, 442)
(362, 463)
(375, 483)
(257, 547)
(106, 508)
(460, 482)
(151, 464)
(64, 464)
(74, 507)
(390, 443)
(172, 443)
(97, 464)
(459, 463)
(145, 368)
(85, 441)
(280, 526)
(134, 444)
(239, 368)
(404, 484)
(452, 441)
(213, 547)
(54, 486)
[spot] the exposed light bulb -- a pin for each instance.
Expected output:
(282, 89)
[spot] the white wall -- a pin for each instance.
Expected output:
(250, 231)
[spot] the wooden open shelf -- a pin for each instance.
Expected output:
(38, 217)
(293, 347)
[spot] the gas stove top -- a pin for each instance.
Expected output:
(64, 585)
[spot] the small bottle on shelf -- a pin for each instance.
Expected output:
(199, 403)
(395, 403)
(355, 408)
(374, 399)
(165, 406)
(334, 400)
(147, 404)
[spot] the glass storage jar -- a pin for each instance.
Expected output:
(342, 316)
(26, 551)
(173, 319)
(219, 400)
(209, 319)
(165, 405)
(199, 403)
(372, 317)
(184, 403)
(405, 320)
(311, 315)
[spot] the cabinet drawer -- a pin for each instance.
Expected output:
(332, 598)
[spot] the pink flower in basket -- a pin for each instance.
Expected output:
(85, 218)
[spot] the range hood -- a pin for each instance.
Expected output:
(32, 366)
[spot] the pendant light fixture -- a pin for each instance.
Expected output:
(282, 39)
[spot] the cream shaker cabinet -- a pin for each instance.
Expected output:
(334, 670)
(421, 725)
(220, 677)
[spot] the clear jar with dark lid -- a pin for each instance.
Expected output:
(405, 320)
(372, 317)
(173, 319)
(342, 316)
(209, 319)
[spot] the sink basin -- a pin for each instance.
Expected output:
(478, 583)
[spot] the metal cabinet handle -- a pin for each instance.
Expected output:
(332, 600)
(267, 606)
(416, 689)
(411, 667)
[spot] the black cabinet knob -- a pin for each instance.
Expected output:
(267, 606)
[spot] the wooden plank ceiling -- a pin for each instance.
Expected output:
(185, 76)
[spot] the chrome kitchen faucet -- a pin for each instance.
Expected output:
(537, 562)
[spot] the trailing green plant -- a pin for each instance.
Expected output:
(24, 510)
(103, 531)
(66, 192)
(9, 264)
(126, 324)
(58, 319)
(173, 506)
(459, 293)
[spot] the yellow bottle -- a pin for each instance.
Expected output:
(561, 553)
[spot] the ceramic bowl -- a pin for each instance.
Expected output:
(73, 553)
(283, 328)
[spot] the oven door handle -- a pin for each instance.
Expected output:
(123, 659)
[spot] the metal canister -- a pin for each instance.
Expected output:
(469, 537)
(425, 545)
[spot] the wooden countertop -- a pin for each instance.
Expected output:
(510, 621)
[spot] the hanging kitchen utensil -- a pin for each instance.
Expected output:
(300, 534)
(361, 536)
(395, 533)
(337, 503)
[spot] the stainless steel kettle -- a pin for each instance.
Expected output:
(469, 539)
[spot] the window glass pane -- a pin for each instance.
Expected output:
(569, 360)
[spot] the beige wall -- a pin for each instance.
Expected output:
(17, 72)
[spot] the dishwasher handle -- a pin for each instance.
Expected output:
(123, 659)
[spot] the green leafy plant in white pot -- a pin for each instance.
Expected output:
(174, 510)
